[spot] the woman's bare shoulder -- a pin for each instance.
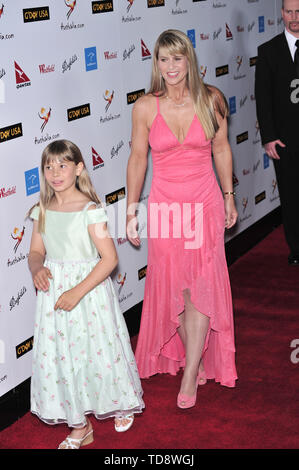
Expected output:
(214, 91)
(219, 100)
(145, 102)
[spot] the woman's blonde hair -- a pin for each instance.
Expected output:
(62, 150)
(206, 99)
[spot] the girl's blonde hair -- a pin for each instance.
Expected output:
(62, 150)
(206, 99)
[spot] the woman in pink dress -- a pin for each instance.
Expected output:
(187, 318)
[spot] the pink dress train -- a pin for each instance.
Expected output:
(186, 199)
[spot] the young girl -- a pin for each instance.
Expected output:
(82, 357)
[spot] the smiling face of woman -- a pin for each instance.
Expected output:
(174, 68)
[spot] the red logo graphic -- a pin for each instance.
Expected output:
(97, 161)
(71, 6)
(228, 32)
(130, 5)
(257, 128)
(17, 235)
(235, 180)
(45, 116)
(21, 77)
(121, 281)
(244, 203)
(108, 97)
(144, 51)
(203, 71)
(1, 10)
(274, 185)
(239, 60)
(46, 69)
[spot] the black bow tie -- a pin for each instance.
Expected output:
(297, 57)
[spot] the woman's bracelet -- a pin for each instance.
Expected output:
(230, 192)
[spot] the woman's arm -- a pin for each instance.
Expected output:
(224, 166)
(137, 164)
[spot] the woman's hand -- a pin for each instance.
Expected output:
(132, 232)
(68, 300)
(231, 213)
(41, 279)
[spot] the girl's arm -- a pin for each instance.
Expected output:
(109, 259)
(40, 274)
(137, 164)
(223, 162)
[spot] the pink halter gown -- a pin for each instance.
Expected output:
(184, 180)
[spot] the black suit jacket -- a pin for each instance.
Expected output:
(277, 115)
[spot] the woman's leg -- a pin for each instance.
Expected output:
(193, 330)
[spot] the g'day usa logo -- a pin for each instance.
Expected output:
(78, 112)
(11, 132)
(36, 14)
(102, 6)
(155, 3)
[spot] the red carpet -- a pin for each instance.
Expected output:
(262, 412)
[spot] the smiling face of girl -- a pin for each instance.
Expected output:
(173, 68)
(61, 174)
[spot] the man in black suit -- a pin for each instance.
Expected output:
(277, 100)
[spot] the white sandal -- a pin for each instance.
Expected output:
(123, 427)
(70, 443)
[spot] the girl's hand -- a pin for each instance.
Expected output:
(68, 300)
(132, 232)
(231, 213)
(41, 279)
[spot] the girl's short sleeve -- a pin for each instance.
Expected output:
(35, 213)
(96, 216)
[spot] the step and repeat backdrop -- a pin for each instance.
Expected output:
(73, 69)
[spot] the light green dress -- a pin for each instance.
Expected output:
(82, 360)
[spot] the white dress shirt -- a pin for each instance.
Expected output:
(291, 42)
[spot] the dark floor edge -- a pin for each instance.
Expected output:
(15, 403)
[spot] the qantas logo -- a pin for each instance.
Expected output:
(21, 78)
(229, 35)
(144, 51)
(97, 161)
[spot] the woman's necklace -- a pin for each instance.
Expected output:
(175, 104)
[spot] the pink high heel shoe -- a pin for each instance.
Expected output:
(201, 377)
(185, 401)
